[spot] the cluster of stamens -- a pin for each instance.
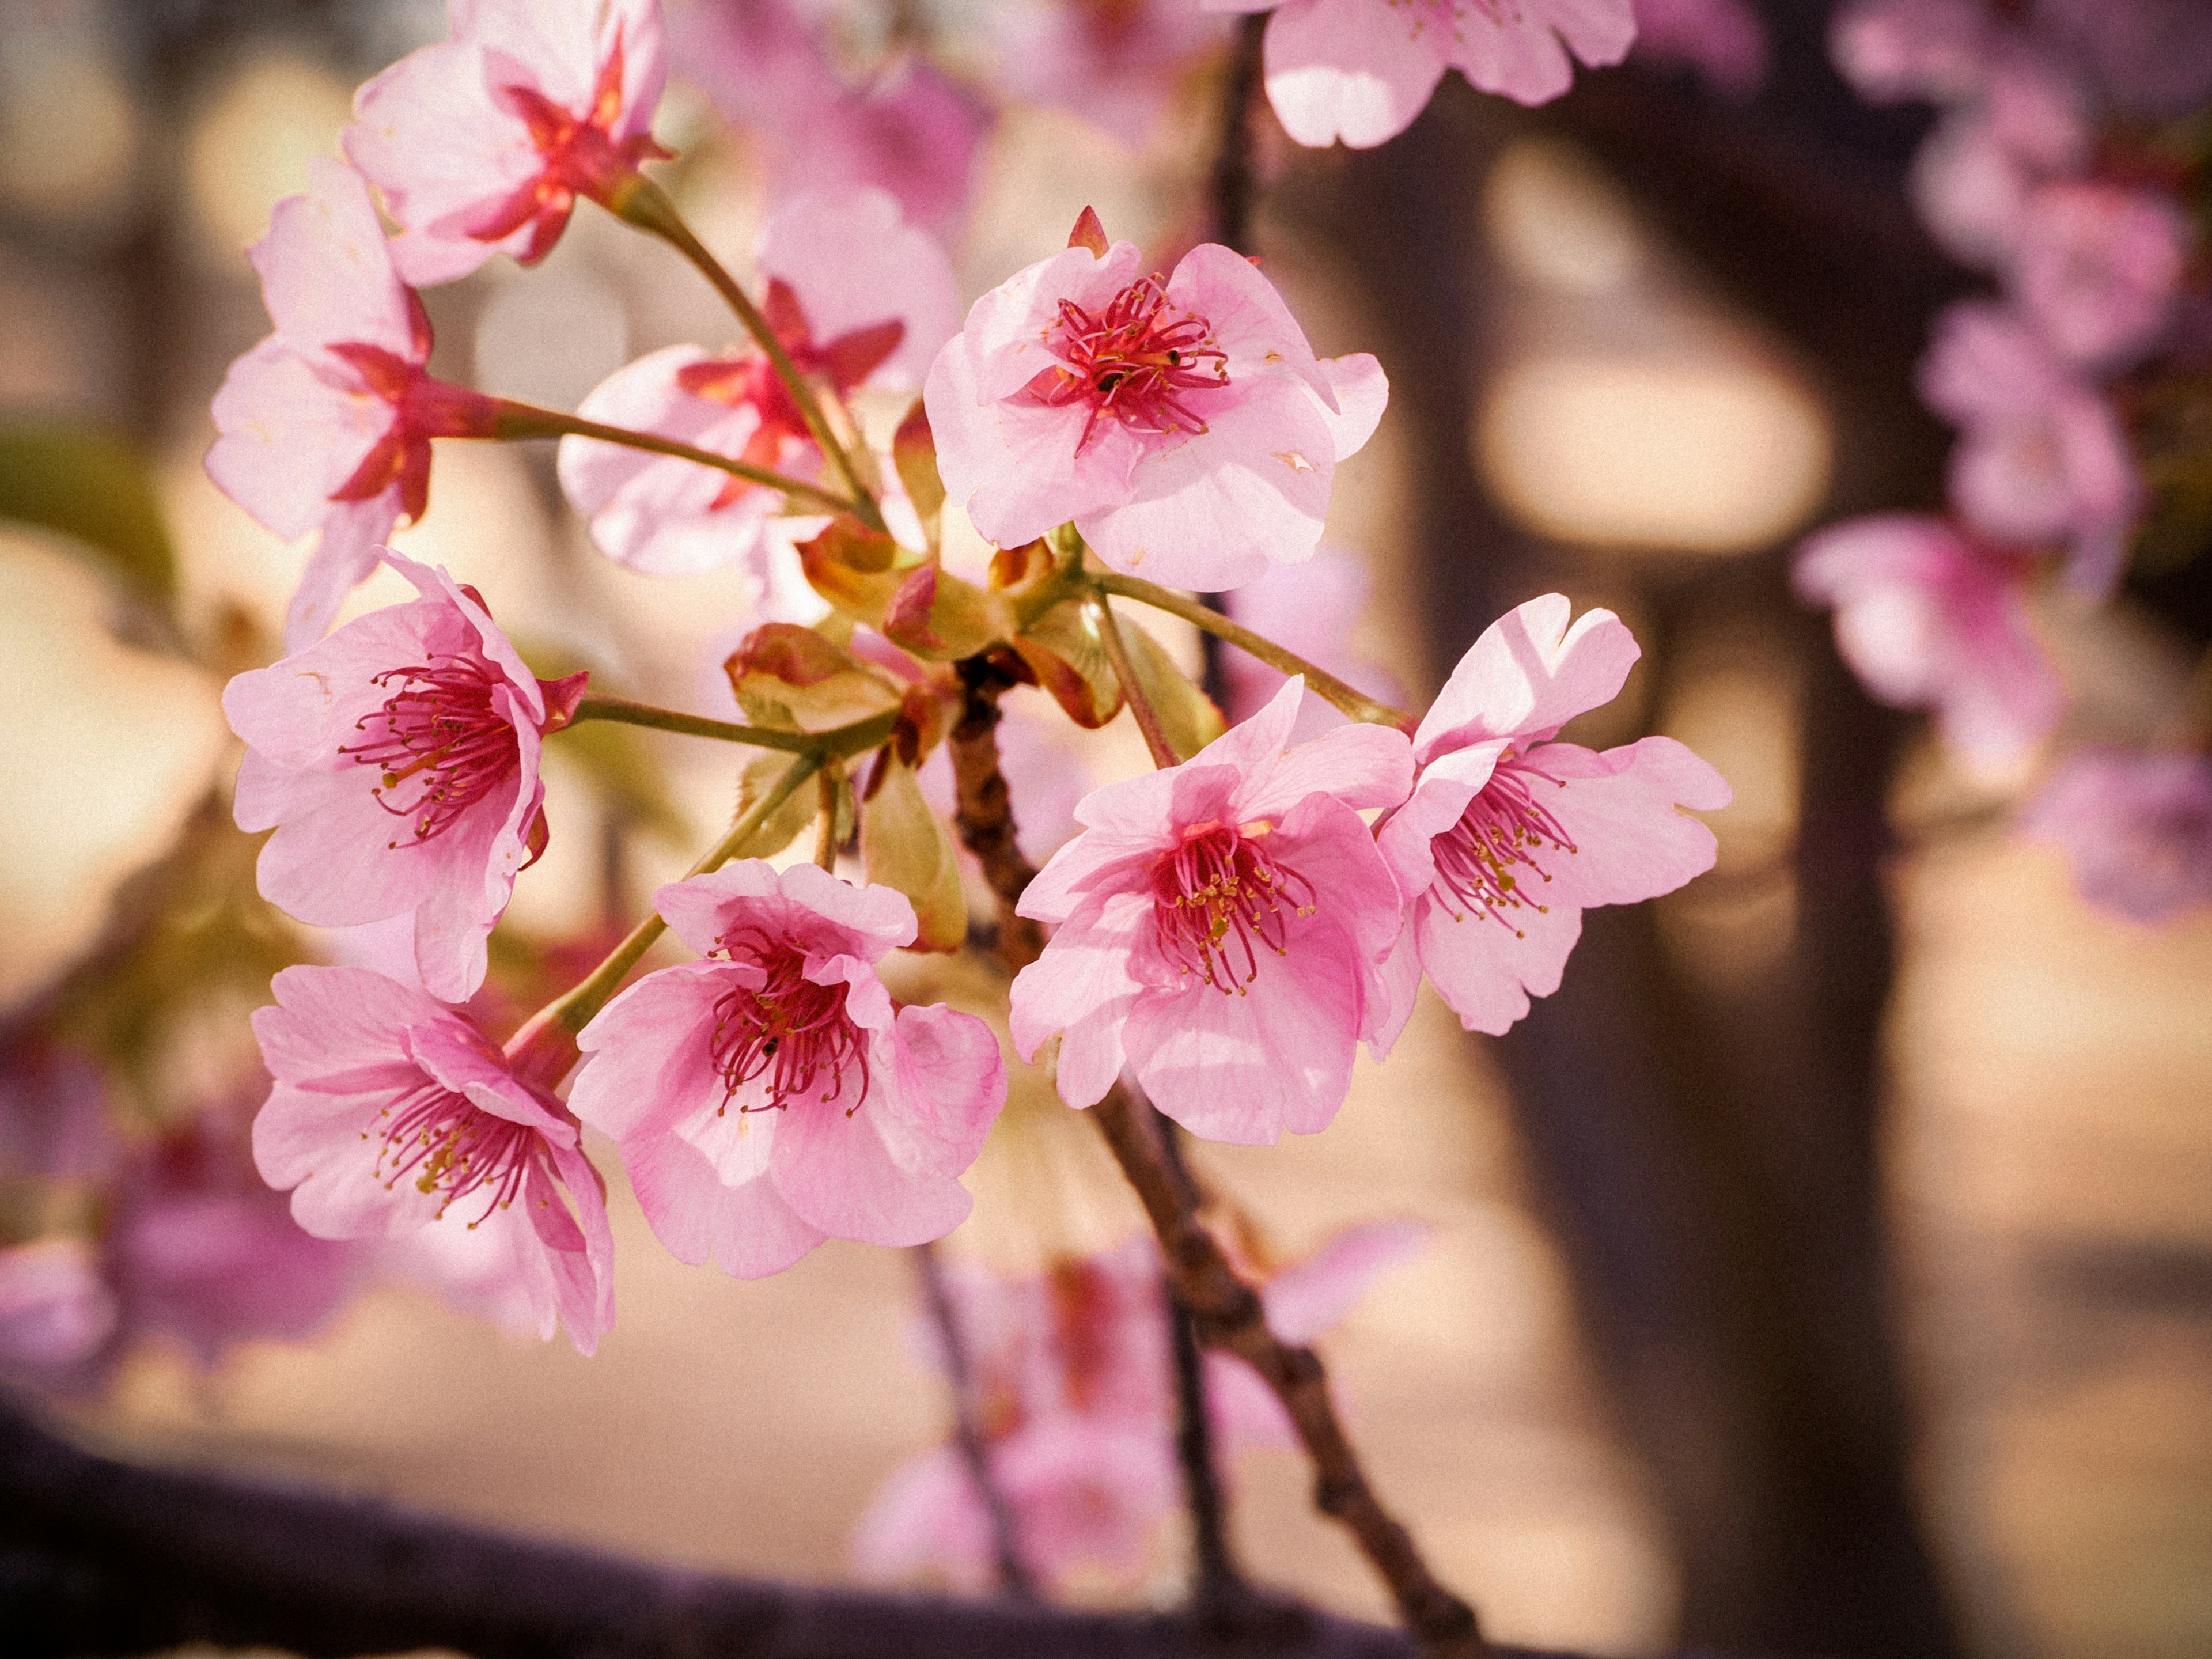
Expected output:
(446, 1145)
(1133, 362)
(439, 742)
(1219, 900)
(790, 1030)
(1485, 859)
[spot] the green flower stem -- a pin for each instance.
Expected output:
(638, 201)
(694, 725)
(1356, 704)
(528, 421)
(1133, 689)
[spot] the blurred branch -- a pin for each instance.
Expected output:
(966, 1436)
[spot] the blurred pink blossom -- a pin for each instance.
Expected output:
(1973, 177)
(2136, 826)
(857, 296)
(1361, 71)
(1724, 41)
(1509, 835)
(1183, 423)
(1929, 619)
(391, 1113)
(57, 1311)
(1222, 927)
(326, 424)
(1891, 50)
(2146, 57)
(398, 762)
(1112, 62)
(1309, 609)
(482, 142)
(772, 1095)
(2098, 267)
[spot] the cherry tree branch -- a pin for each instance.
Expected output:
(967, 1434)
(983, 810)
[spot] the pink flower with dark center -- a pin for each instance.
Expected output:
(1930, 619)
(2042, 458)
(326, 424)
(1183, 423)
(2136, 826)
(1362, 69)
(1222, 927)
(391, 1113)
(1510, 835)
(772, 1095)
(2098, 266)
(482, 142)
(398, 762)
(857, 296)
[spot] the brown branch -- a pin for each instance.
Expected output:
(1014, 1575)
(1227, 1314)
(984, 812)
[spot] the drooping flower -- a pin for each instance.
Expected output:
(771, 1095)
(1112, 62)
(1362, 69)
(398, 762)
(326, 424)
(482, 142)
(1929, 619)
(2136, 826)
(1181, 422)
(2099, 265)
(856, 295)
(2042, 459)
(391, 1113)
(1510, 835)
(1222, 927)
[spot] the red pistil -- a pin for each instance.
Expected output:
(439, 742)
(790, 1030)
(449, 1145)
(1220, 898)
(1503, 830)
(1133, 362)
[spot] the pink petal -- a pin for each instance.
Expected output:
(1486, 969)
(1307, 1297)
(852, 260)
(1529, 675)
(1620, 810)
(1346, 69)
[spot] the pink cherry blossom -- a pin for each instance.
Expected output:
(1309, 609)
(1509, 835)
(2145, 57)
(2042, 458)
(398, 762)
(57, 1312)
(857, 296)
(1221, 928)
(1724, 41)
(1929, 619)
(391, 1113)
(2136, 826)
(1891, 50)
(2099, 265)
(1114, 62)
(1974, 177)
(772, 1095)
(1362, 69)
(1181, 422)
(482, 142)
(903, 126)
(326, 424)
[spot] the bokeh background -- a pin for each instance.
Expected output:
(1830, 1266)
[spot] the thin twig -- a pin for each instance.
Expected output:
(1233, 186)
(1216, 1580)
(967, 1434)
(625, 712)
(1133, 689)
(520, 421)
(983, 812)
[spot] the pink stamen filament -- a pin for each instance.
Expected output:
(1503, 830)
(790, 1028)
(439, 729)
(456, 1147)
(1132, 363)
(1220, 898)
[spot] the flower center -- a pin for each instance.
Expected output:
(439, 742)
(1133, 362)
(448, 1146)
(1484, 861)
(789, 1029)
(1219, 899)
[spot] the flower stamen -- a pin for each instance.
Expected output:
(1485, 858)
(440, 731)
(450, 1146)
(1220, 898)
(789, 1029)
(1134, 362)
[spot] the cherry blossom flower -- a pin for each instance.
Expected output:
(482, 142)
(398, 762)
(1362, 69)
(2136, 826)
(1724, 41)
(857, 296)
(1181, 422)
(2042, 458)
(391, 1113)
(57, 1312)
(1222, 927)
(1891, 50)
(2099, 265)
(1509, 835)
(772, 1095)
(1974, 177)
(1929, 619)
(326, 424)
(1112, 62)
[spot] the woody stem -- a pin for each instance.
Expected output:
(640, 202)
(516, 420)
(1133, 689)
